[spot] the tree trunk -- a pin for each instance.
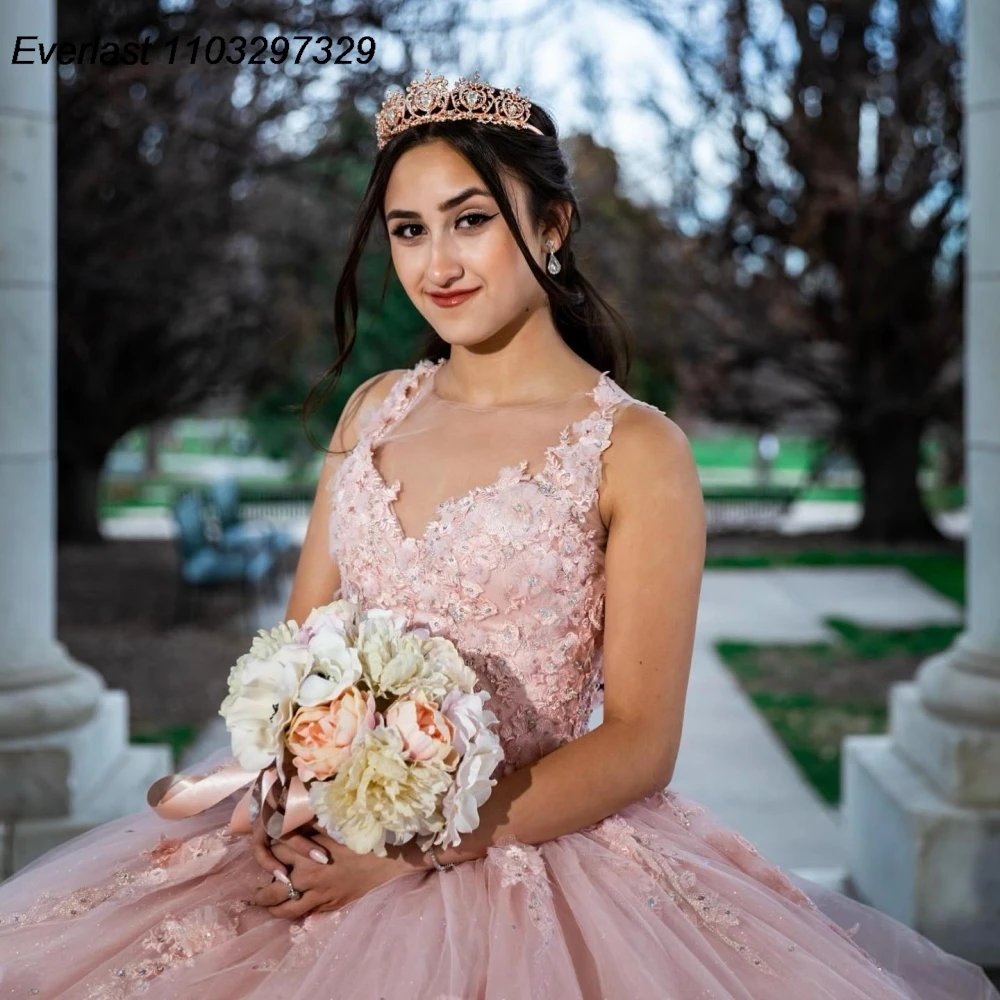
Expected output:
(888, 454)
(77, 492)
(155, 434)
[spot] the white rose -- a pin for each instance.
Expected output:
(338, 616)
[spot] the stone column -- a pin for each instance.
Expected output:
(62, 734)
(922, 805)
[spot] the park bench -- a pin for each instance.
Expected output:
(747, 508)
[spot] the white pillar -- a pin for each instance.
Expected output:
(922, 805)
(62, 735)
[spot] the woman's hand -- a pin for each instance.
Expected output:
(346, 877)
(264, 855)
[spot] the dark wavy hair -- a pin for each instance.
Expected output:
(588, 324)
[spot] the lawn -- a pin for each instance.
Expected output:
(814, 695)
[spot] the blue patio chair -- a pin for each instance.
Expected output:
(235, 533)
(205, 563)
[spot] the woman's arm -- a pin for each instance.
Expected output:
(317, 577)
(651, 499)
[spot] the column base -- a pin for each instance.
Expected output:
(962, 684)
(48, 691)
(925, 861)
(59, 785)
(962, 760)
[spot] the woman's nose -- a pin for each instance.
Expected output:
(443, 265)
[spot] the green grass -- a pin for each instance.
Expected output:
(178, 737)
(815, 695)
(813, 734)
(875, 644)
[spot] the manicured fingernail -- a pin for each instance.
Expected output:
(319, 856)
(282, 877)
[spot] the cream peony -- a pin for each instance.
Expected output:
(321, 736)
(267, 642)
(261, 699)
(443, 658)
(379, 632)
(427, 734)
(379, 791)
(407, 670)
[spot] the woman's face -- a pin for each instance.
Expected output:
(446, 238)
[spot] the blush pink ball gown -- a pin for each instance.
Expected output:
(657, 901)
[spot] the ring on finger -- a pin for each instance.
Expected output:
(293, 893)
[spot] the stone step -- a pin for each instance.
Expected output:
(119, 791)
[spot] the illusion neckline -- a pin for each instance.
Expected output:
(516, 472)
(494, 407)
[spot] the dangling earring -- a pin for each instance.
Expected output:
(553, 266)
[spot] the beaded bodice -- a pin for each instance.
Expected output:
(512, 571)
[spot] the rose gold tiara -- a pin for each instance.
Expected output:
(430, 100)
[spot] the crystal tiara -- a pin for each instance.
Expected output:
(430, 100)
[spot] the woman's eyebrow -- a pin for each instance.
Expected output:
(401, 213)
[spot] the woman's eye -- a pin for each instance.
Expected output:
(400, 230)
(475, 219)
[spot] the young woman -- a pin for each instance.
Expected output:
(504, 491)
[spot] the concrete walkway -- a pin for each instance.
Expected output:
(730, 760)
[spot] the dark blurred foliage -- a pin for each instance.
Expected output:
(832, 290)
(196, 236)
(203, 211)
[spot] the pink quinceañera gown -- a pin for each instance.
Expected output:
(660, 900)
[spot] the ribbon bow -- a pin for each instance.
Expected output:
(180, 796)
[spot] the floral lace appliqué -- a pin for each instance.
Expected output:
(169, 861)
(523, 864)
(174, 942)
(680, 883)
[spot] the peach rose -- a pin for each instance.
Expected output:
(426, 733)
(321, 736)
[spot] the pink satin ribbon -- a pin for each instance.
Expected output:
(180, 796)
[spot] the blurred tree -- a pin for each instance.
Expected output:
(834, 282)
(639, 264)
(185, 240)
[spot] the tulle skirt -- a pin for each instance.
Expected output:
(659, 900)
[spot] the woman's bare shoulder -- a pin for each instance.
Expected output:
(363, 402)
(651, 459)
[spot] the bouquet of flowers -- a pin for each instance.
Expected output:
(375, 733)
